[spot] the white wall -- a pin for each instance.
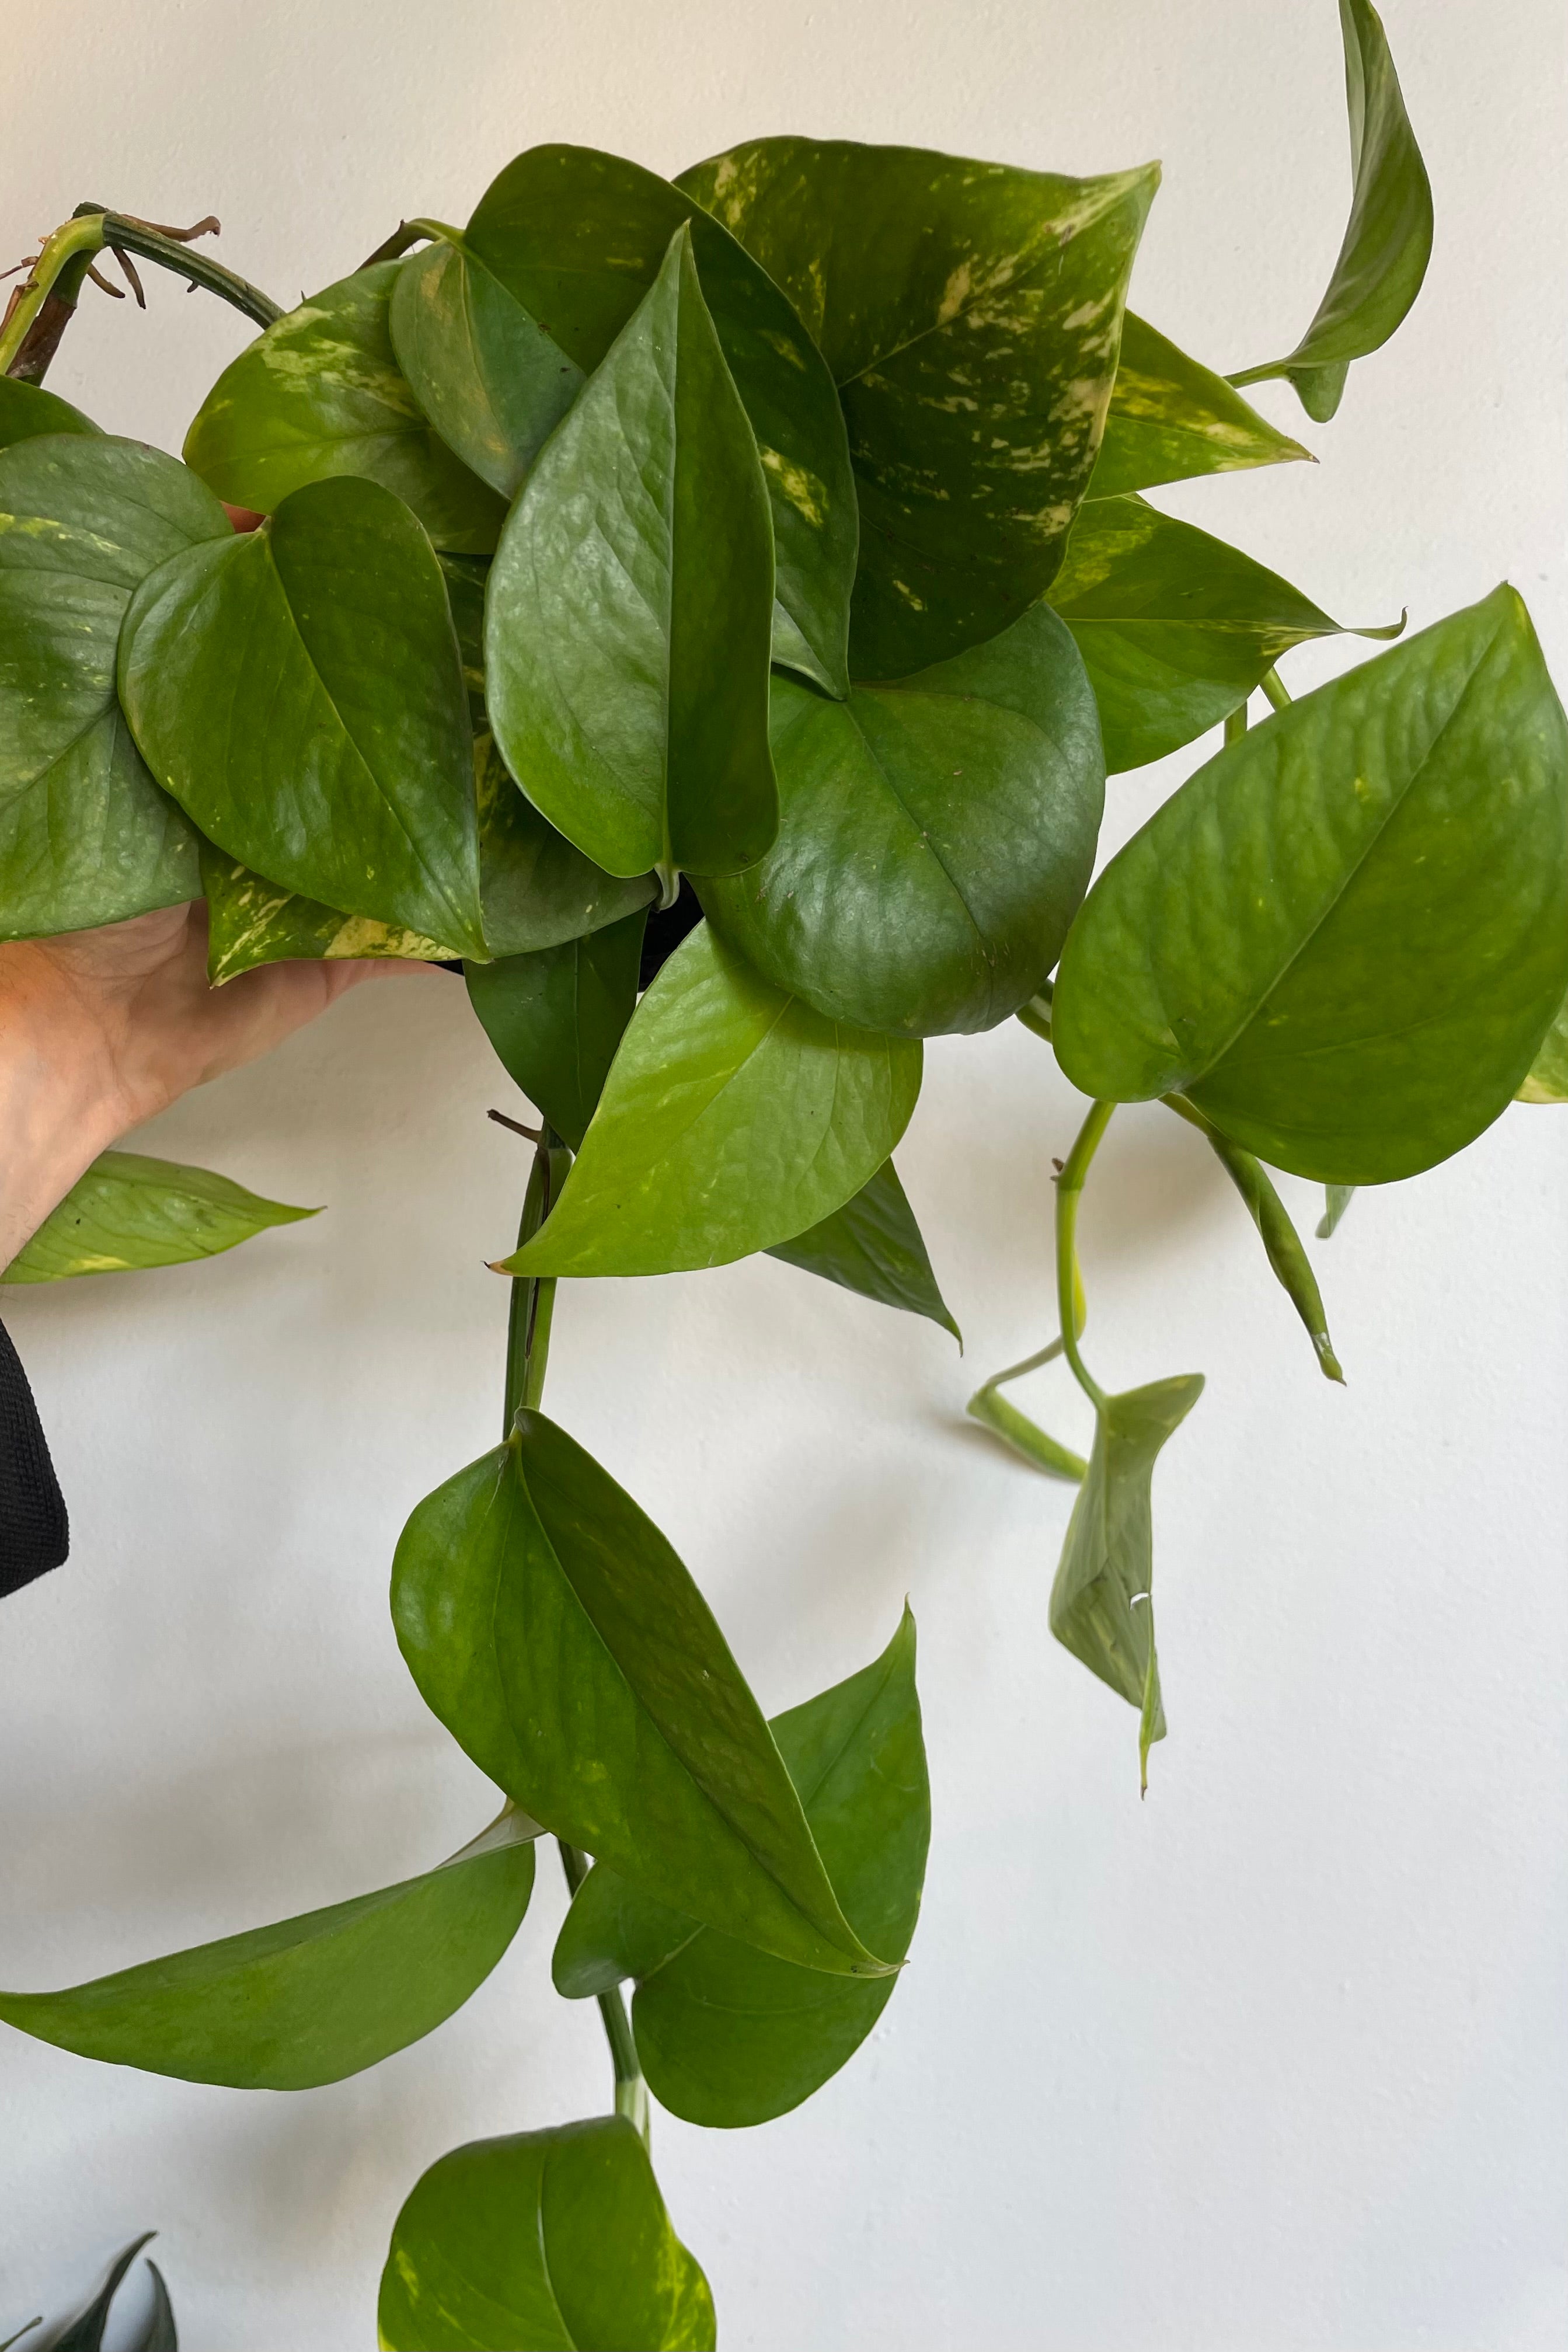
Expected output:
(1276, 2062)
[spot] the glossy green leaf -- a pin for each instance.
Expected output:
(873, 1246)
(577, 239)
(131, 1211)
(536, 889)
(547, 2241)
(1101, 1606)
(320, 393)
(252, 921)
(1171, 417)
(310, 2000)
(554, 1632)
(734, 1117)
(1282, 1242)
(86, 836)
(297, 690)
(935, 838)
(628, 614)
(466, 577)
(971, 318)
(1388, 240)
(1344, 937)
(1175, 628)
(1547, 1079)
(727, 2035)
(492, 382)
(1337, 1199)
(555, 1018)
(27, 410)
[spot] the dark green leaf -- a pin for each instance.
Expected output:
(1175, 628)
(1282, 1241)
(311, 1999)
(297, 690)
(555, 1018)
(1344, 937)
(85, 2333)
(131, 1211)
(488, 377)
(320, 393)
(1337, 1200)
(873, 1245)
(86, 836)
(547, 2241)
(1388, 240)
(466, 577)
(555, 1634)
(727, 2035)
(26, 410)
(159, 2333)
(734, 1117)
(1101, 1606)
(1171, 417)
(629, 615)
(935, 838)
(577, 237)
(1547, 1079)
(537, 890)
(970, 318)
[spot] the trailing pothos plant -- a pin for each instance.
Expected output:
(737, 590)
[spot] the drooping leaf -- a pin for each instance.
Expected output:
(971, 317)
(86, 2331)
(1175, 628)
(311, 1999)
(297, 690)
(491, 380)
(131, 1210)
(320, 393)
(935, 838)
(734, 1117)
(577, 237)
(536, 889)
(554, 1630)
(1547, 1077)
(872, 1245)
(1101, 1606)
(1388, 239)
(1282, 1242)
(25, 411)
(546, 2241)
(629, 615)
(555, 1018)
(727, 2035)
(86, 836)
(1344, 937)
(1337, 1199)
(1171, 417)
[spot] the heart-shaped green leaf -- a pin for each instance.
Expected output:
(131, 1210)
(554, 1632)
(1101, 1606)
(629, 615)
(734, 1117)
(727, 2035)
(1175, 628)
(1388, 240)
(547, 2241)
(320, 393)
(1345, 937)
(311, 1999)
(576, 239)
(873, 1246)
(971, 320)
(297, 690)
(491, 380)
(935, 838)
(1547, 1080)
(252, 921)
(86, 836)
(27, 410)
(1171, 417)
(555, 1018)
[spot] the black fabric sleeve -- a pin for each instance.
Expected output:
(34, 1533)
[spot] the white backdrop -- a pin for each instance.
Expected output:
(1276, 2062)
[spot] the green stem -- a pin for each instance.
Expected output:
(1235, 725)
(631, 2091)
(77, 239)
(1274, 686)
(527, 1356)
(63, 259)
(1016, 1429)
(1069, 1186)
(127, 234)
